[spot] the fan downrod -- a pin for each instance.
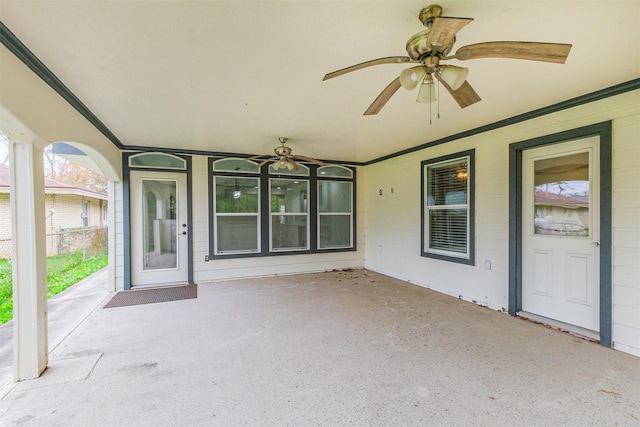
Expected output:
(429, 13)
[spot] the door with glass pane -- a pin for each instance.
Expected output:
(560, 235)
(159, 238)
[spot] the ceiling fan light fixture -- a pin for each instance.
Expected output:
(410, 77)
(427, 93)
(453, 75)
(281, 163)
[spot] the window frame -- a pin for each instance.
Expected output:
(305, 213)
(425, 251)
(265, 175)
(351, 183)
(217, 215)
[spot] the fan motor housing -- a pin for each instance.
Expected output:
(418, 47)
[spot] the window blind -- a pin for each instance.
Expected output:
(447, 207)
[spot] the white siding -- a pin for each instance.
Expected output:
(626, 234)
(393, 220)
(220, 269)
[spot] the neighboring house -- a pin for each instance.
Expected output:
(66, 206)
(558, 214)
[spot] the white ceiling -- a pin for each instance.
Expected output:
(233, 76)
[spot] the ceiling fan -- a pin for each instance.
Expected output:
(284, 159)
(433, 45)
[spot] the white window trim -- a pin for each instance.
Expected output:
(272, 214)
(350, 214)
(216, 215)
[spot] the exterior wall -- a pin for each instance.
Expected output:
(5, 216)
(626, 233)
(5, 226)
(393, 219)
(260, 266)
(237, 268)
(390, 222)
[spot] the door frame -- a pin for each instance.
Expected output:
(603, 130)
(126, 213)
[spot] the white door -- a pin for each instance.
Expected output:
(158, 228)
(560, 234)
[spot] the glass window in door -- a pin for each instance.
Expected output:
(159, 224)
(561, 195)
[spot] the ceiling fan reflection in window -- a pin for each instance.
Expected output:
(432, 46)
(283, 158)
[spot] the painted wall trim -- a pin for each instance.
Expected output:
(554, 108)
(22, 52)
(223, 155)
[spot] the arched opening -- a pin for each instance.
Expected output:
(48, 217)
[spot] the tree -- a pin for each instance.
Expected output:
(4, 148)
(61, 169)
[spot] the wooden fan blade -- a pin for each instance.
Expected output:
(464, 95)
(384, 96)
(308, 159)
(443, 31)
(533, 51)
(387, 60)
(263, 163)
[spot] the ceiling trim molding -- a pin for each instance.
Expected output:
(22, 52)
(554, 108)
(222, 154)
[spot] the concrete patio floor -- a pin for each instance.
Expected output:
(336, 348)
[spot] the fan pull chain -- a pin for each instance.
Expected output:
(430, 108)
(438, 98)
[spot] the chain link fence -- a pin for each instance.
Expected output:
(91, 241)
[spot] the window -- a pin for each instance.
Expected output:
(289, 214)
(157, 161)
(448, 207)
(335, 208)
(85, 213)
(236, 208)
(266, 211)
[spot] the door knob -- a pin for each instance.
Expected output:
(595, 244)
(184, 232)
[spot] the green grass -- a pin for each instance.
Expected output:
(62, 272)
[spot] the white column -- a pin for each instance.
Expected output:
(29, 261)
(111, 233)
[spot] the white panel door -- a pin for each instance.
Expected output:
(158, 228)
(560, 232)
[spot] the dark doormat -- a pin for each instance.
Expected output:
(153, 295)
